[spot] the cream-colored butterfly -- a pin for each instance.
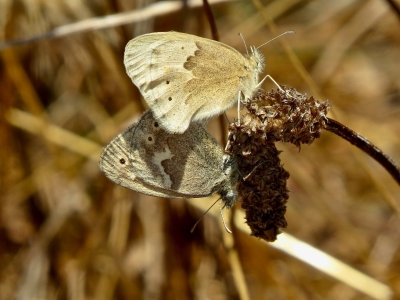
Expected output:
(186, 78)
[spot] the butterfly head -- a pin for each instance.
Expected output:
(257, 60)
(227, 190)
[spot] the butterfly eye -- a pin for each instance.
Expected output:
(167, 82)
(122, 161)
(156, 124)
(170, 98)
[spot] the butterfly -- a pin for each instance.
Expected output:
(186, 78)
(147, 159)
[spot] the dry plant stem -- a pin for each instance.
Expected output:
(215, 36)
(228, 239)
(322, 261)
(306, 253)
(54, 134)
(362, 143)
(222, 124)
(151, 11)
(234, 261)
(395, 7)
(211, 20)
(22, 82)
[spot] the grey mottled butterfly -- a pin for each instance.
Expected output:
(186, 78)
(148, 159)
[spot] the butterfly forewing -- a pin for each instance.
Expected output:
(184, 77)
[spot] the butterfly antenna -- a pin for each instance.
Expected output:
(244, 42)
(198, 221)
(287, 32)
(222, 216)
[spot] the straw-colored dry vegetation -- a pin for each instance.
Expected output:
(67, 232)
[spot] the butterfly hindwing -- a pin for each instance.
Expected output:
(116, 165)
(191, 163)
(148, 159)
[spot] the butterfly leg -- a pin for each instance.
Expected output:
(222, 217)
(273, 80)
(238, 106)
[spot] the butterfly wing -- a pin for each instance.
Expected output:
(190, 163)
(116, 165)
(148, 159)
(185, 78)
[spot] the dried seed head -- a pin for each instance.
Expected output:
(275, 116)
(287, 116)
(263, 188)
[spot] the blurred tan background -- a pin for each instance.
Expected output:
(66, 232)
